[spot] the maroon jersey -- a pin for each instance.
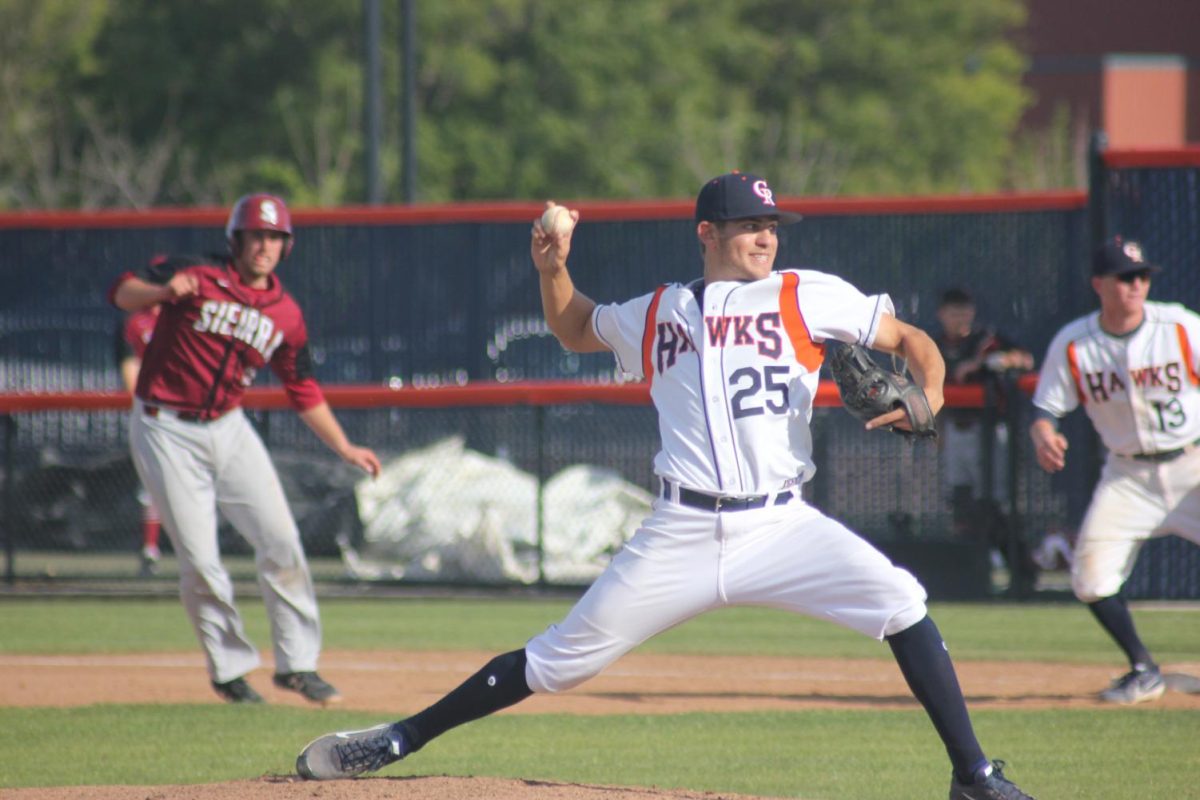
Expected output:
(136, 333)
(207, 348)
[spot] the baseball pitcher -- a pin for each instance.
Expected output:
(732, 360)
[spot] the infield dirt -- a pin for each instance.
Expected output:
(394, 684)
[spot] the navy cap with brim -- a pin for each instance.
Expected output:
(739, 195)
(1120, 256)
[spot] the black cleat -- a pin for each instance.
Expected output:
(237, 691)
(989, 784)
(308, 685)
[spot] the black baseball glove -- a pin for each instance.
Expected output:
(868, 391)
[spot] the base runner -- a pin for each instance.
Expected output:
(222, 319)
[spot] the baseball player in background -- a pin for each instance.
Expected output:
(1133, 367)
(222, 319)
(133, 335)
(732, 360)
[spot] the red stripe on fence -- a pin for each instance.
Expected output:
(1131, 159)
(502, 212)
(483, 393)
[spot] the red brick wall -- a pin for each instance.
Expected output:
(1068, 44)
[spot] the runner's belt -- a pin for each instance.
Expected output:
(182, 416)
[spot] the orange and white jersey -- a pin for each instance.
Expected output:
(733, 369)
(1140, 389)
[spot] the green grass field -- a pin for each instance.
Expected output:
(1114, 753)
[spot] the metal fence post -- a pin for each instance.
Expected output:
(1097, 184)
(1012, 414)
(10, 536)
(1098, 232)
(987, 441)
(539, 426)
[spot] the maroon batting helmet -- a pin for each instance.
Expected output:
(260, 212)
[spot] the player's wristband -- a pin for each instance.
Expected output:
(1041, 413)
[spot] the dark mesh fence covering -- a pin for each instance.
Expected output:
(445, 303)
(452, 303)
(1160, 208)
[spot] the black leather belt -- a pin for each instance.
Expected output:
(708, 502)
(182, 416)
(1164, 455)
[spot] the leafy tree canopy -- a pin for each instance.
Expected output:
(140, 102)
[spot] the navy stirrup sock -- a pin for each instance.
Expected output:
(498, 685)
(1113, 615)
(927, 668)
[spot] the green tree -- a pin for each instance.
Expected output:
(872, 96)
(139, 102)
(265, 93)
(618, 99)
(43, 43)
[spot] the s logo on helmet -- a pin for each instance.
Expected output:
(764, 191)
(1134, 251)
(269, 212)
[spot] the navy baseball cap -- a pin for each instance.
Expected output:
(739, 195)
(1120, 256)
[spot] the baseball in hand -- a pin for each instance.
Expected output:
(556, 221)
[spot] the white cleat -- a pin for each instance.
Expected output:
(346, 754)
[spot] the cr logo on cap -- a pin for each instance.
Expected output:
(762, 190)
(1134, 251)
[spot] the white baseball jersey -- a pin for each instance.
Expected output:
(733, 369)
(1140, 389)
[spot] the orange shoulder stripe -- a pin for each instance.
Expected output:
(808, 353)
(1185, 347)
(1073, 363)
(648, 335)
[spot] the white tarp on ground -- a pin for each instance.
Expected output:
(447, 513)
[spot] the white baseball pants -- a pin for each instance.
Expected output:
(1133, 502)
(191, 470)
(683, 562)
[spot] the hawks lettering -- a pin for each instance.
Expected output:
(672, 340)
(1103, 385)
(240, 322)
(760, 331)
(763, 332)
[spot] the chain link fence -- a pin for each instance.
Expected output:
(456, 303)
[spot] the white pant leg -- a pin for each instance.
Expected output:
(795, 558)
(665, 574)
(175, 463)
(683, 562)
(1182, 480)
(1127, 506)
(251, 497)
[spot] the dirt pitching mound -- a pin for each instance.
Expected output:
(412, 788)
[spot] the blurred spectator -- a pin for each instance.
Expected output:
(977, 354)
